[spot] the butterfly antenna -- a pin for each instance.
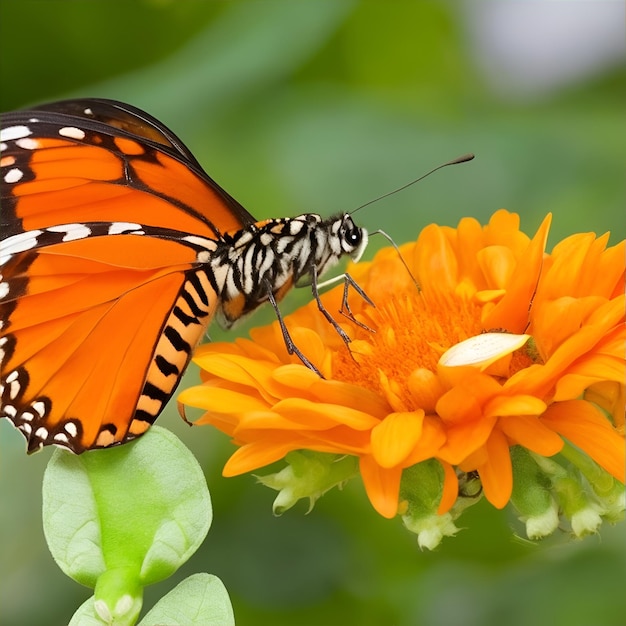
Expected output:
(461, 159)
(397, 249)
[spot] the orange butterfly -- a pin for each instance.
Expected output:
(116, 250)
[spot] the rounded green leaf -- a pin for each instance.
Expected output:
(200, 600)
(141, 509)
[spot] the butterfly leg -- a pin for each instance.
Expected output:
(323, 310)
(345, 309)
(289, 343)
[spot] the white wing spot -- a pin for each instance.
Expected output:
(14, 389)
(70, 429)
(209, 244)
(72, 132)
(12, 376)
(3, 146)
(27, 416)
(18, 243)
(72, 231)
(14, 132)
(61, 437)
(4, 290)
(9, 410)
(39, 407)
(26, 428)
(27, 143)
(119, 228)
(41, 433)
(13, 175)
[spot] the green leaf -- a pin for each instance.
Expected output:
(86, 615)
(122, 518)
(200, 599)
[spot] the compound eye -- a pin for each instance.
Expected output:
(352, 234)
(353, 237)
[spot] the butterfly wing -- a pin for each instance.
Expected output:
(107, 222)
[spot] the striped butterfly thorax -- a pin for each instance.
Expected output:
(116, 251)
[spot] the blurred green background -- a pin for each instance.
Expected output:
(298, 106)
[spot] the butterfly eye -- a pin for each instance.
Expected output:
(354, 239)
(350, 233)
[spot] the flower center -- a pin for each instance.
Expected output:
(411, 332)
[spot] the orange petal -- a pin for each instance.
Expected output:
(515, 405)
(263, 420)
(610, 396)
(293, 377)
(496, 474)
(238, 369)
(436, 262)
(394, 438)
(429, 443)
(512, 311)
(319, 415)
(382, 486)
(464, 439)
(503, 229)
(426, 388)
(530, 432)
(219, 400)
(497, 264)
(465, 402)
(346, 394)
(586, 427)
(450, 488)
(257, 454)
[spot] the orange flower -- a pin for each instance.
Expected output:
(501, 345)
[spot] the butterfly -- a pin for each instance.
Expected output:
(116, 251)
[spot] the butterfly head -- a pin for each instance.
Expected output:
(353, 238)
(333, 239)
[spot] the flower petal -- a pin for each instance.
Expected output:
(515, 405)
(450, 489)
(482, 350)
(320, 415)
(382, 486)
(530, 432)
(587, 428)
(395, 437)
(496, 473)
(512, 311)
(252, 456)
(219, 400)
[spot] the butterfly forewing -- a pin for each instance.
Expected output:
(104, 213)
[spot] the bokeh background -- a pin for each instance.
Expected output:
(321, 106)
